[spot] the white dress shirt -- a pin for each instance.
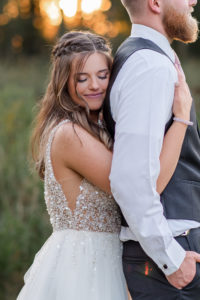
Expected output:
(141, 104)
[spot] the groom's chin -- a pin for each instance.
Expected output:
(182, 27)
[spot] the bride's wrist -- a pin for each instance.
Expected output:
(185, 121)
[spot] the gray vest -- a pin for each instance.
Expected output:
(181, 197)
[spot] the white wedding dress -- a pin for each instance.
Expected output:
(82, 259)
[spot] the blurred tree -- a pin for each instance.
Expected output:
(17, 31)
(26, 26)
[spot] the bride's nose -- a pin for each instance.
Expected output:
(94, 85)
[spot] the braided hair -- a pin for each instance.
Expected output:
(57, 105)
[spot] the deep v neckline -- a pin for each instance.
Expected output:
(83, 181)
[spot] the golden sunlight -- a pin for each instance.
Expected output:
(50, 14)
(53, 12)
(88, 6)
(69, 7)
(25, 8)
(11, 9)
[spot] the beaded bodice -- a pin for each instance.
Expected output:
(95, 210)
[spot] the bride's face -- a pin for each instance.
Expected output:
(90, 84)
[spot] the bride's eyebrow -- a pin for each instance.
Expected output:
(81, 73)
(105, 70)
(84, 73)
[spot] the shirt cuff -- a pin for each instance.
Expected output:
(176, 255)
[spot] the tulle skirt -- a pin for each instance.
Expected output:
(77, 265)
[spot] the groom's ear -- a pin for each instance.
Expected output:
(155, 6)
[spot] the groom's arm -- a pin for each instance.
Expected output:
(141, 102)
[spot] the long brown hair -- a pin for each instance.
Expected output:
(57, 105)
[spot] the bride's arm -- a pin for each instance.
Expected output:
(170, 154)
(174, 137)
(77, 150)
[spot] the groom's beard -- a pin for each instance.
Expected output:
(180, 26)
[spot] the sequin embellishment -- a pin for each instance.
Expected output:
(95, 210)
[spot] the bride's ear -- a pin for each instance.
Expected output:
(155, 6)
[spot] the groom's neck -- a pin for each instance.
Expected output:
(152, 22)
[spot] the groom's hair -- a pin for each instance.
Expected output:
(134, 7)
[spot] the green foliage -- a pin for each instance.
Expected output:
(24, 222)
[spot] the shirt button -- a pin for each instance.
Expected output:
(165, 267)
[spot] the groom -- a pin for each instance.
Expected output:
(161, 241)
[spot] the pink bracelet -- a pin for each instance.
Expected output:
(189, 123)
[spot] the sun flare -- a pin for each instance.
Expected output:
(50, 14)
(53, 12)
(69, 7)
(88, 6)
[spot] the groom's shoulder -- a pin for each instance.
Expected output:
(147, 59)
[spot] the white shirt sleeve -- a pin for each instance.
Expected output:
(141, 102)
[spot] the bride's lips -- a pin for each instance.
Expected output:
(94, 96)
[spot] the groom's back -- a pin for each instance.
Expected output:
(185, 182)
(127, 49)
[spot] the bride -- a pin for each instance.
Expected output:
(73, 152)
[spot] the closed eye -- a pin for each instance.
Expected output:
(81, 80)
(103, 77)
(103, 74)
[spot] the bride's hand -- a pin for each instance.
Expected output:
(182, 98)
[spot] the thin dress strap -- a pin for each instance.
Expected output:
(48, 163)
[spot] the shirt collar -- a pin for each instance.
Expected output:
(158, 38)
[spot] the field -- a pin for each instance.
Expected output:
(24, 224)
(23, 219)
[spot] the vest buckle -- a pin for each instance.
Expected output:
(185, 233)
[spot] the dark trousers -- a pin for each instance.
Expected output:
(147, 282)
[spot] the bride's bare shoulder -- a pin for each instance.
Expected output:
(71, 138)
(77, 150)
(71, 133)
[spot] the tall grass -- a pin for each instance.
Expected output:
(23, 220)
(24, 223)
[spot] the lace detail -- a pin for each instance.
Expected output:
(95, 210)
